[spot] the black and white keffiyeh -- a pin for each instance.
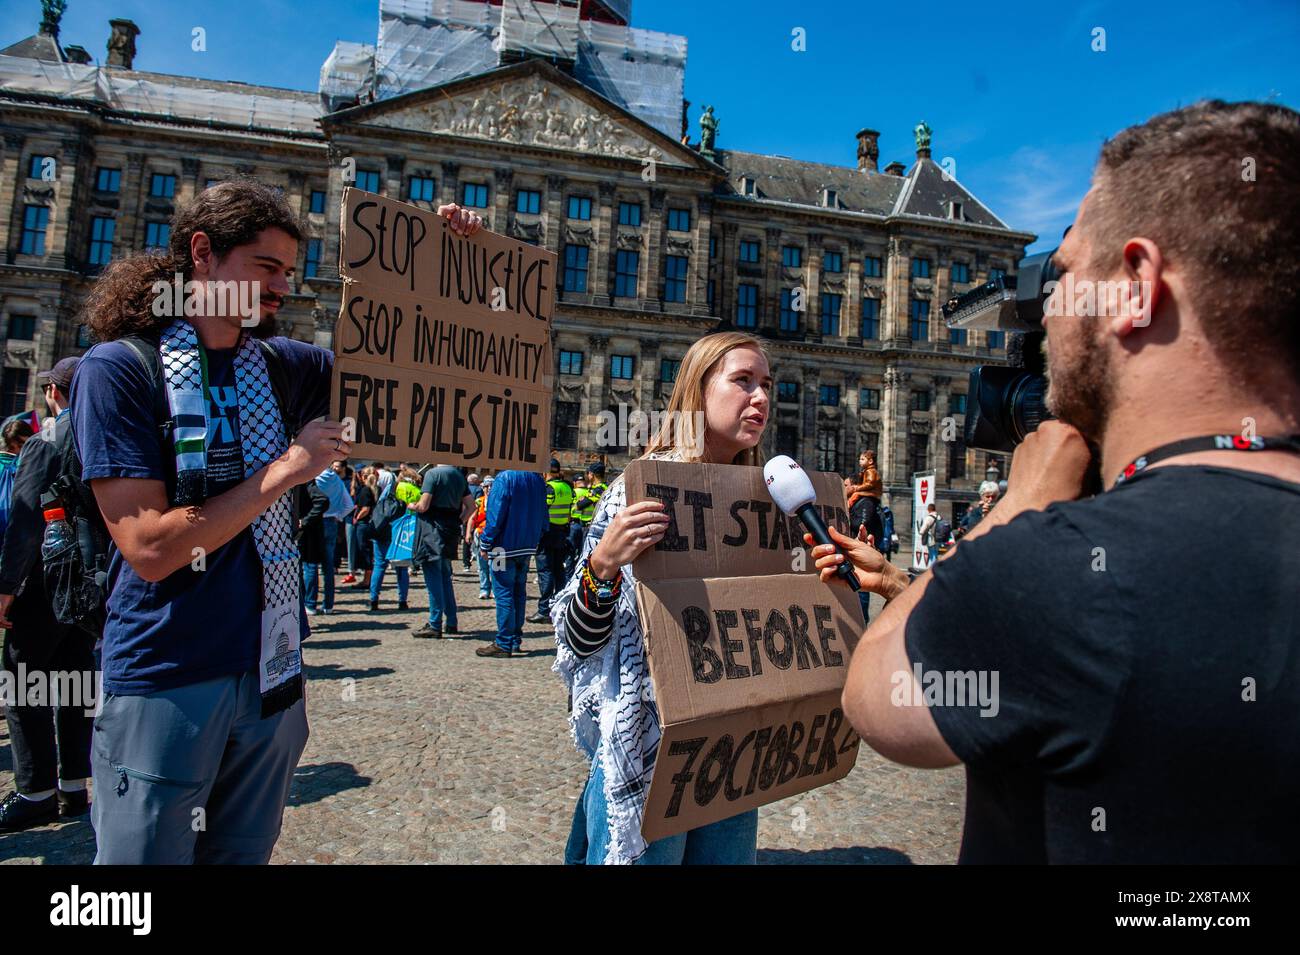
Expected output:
(263, 439)
(614, 717)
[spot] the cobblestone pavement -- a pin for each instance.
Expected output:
(422, 752)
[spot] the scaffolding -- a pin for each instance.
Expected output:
(425, 43)
(175, 97)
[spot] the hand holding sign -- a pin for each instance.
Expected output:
(637, 527)
(872, 570)
(463, 222)
(317, 446)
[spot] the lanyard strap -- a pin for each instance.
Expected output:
(1209, 442)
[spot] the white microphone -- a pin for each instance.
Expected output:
(793, 492)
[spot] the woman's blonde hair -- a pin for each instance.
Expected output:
(686, 404)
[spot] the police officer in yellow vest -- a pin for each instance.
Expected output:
(584, 505)
(552, 551)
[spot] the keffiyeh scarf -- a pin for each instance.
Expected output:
(263, 439)
(614, 717)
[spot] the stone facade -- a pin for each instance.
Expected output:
(727, 223)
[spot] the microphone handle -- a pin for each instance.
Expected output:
(817, 528)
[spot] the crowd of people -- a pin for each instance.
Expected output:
(1138, 719)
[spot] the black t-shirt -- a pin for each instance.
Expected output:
(1148, 704)
(363, 498)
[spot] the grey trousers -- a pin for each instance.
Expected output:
(193, 775)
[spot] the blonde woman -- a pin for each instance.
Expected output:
(717, 414)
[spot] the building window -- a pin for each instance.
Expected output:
(626, 264)
(580, 208)
(832, 262)
(367, 179)
(311, 264)
(22, 327)
(920, 328)
(920, 400)
(528, 201)
(674, 278)
(668, 369)
(787, 440)
(83, 337)
(620, 366)
(956, 404)
(317, 201)
(746, 306)
(36, 166)
(422, 188)
(830, 199)
(870, 442)
(957, 460)
(828, 395)
(629, 213)
(830, 313)
(995, 339)
(210, 183)
(957, 336)
(787, 391)
(747, 185)
(960, 272)
(918, 452)
(566, 424)
(36, 220)
(679, 220)
(871, 318)
(748, 251)
(475, 194)
(162, 185)
(13, 391)
(712, 290)
(789, 315)
(713, 247)
(108, 180)
(920, 268)
(157, 235)
(871, 267)
(954, 210)
(868, 399)
(101, 240)
(997, 274)
(575, 268)
(828, 450)
(791, 256)
(571, 361)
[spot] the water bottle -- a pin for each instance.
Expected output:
(59, 535)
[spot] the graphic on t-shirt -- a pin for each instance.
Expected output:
(225, 451)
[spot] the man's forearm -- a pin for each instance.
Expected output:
(157, 541)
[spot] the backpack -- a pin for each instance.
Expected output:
(942, 531)
(76, 577)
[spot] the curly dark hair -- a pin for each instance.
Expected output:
(230, 214)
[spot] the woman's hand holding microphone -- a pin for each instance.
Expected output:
(873, 570)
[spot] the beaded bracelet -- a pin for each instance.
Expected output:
(601, 590)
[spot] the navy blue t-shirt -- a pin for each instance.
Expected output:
(194, 625)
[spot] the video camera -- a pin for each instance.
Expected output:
(1006, 402)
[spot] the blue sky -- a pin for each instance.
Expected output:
(1014, 91)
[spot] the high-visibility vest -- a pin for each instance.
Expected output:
(584, 502)
(559, 501)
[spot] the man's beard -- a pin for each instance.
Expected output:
(1079, 388)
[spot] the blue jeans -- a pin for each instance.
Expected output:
(437, 581)
(934, 553)
(484, 569)
(379, 564)
(550, 565)
(731, 841)
(311, 573)
(510, 587)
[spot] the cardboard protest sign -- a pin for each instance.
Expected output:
(748, 649)
(443, 344)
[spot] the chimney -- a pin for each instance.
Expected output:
(121, 43)
(868, 150)
(895, 169)
(77, 54)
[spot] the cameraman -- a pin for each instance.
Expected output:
(1145, 709)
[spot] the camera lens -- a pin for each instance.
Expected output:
(1027, 405)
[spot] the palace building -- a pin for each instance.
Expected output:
(564, 126)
